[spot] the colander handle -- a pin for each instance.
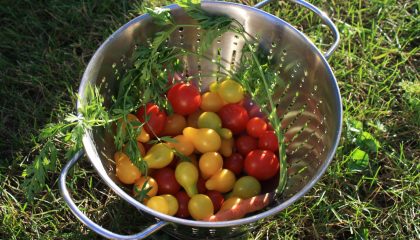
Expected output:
(89, 223)
(322, 15)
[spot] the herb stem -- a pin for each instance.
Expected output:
(276, 121)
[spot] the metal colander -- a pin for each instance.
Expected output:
(307, 96)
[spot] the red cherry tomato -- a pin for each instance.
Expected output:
(201, 185)
(256, 127)
(216, 198)
(184, 98)
(261, 164)
(234, 117)
(156, 118)
(165, 178)
(183, 200)
(234, 163)
(245, 144)
(268, 141)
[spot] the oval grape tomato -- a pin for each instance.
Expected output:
(127, 172)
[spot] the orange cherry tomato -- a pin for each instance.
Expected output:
(126, 171)
(183, 145)
(174, 125)
(120, 156)
(210, 163)
(211, 102)
(146, 183)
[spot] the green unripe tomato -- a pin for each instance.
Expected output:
(246, 187)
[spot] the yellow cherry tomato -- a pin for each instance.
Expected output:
(225, 133)
(209, 120)
(200, 207)
(126, 171)
(211, 102)
(222, 181)
(172, 204)
(230, 91)
(183, 145)
(246, 187)
(230, 203)
(210, 163)
(203, 139)
(213, 86)
(158, 203)
(226, 148)
(159, 156)
(186, 174)
(175, 123)
(146, 183)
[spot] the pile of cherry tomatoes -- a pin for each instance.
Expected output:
(222, 148)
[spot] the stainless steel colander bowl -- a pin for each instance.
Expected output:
(307, 97)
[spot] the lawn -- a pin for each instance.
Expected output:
(46, 45)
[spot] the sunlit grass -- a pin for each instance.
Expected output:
(46, 46)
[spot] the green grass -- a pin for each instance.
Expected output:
(45, 47)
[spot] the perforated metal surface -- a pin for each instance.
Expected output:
(307, 95)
